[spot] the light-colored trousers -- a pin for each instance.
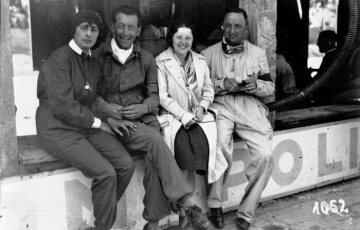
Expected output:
(255, 130)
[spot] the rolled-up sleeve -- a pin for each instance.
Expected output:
(264, 88)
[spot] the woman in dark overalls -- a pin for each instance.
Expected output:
(67, 126)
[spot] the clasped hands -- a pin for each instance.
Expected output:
(199, 115)
(248, 86)
(119, 116)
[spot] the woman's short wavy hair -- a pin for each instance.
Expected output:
(173, 28)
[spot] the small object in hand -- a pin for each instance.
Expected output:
(164, 124)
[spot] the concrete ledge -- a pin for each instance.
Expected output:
(304, 158)
(33, 159)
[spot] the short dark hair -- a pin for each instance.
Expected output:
(329, 35)
(173, 28)
(238, 11)
(127, 10)
(88, 16)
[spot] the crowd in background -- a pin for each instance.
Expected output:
(322, 16)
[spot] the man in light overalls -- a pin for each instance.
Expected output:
(240, 74)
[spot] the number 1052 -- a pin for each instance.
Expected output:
(334, 206)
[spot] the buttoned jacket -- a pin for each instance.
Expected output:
(64, 102)
(134, 82)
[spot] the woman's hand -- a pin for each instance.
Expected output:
(106, 128)
(120, 126)
(199, 113)
(113, 111)
(190, 123)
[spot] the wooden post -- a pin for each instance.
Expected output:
(262, 15)
(8, 143)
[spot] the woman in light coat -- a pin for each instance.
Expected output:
(186, 92)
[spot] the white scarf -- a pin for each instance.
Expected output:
(120, 54)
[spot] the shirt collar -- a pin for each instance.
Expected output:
(76, 48)
(109, 51)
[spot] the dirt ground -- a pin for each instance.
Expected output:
(296, 212)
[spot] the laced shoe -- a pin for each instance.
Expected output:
(198, 219)
(152, 226)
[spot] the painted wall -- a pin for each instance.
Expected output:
(304, 158)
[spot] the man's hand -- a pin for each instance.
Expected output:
(113, 110)
(199, 113)
(250, 86)
(231, 84)
(120, 126)
(135, 111)
(106, 128)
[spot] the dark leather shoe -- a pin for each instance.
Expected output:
(152, 226)
(198, 219)
(242, 224)
(217, 217)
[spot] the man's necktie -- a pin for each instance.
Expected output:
(232, 49)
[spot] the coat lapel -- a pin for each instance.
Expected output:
(176, 72)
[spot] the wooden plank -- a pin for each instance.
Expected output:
(34, 159)
(315, 115)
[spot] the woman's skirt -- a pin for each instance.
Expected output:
(191, 149)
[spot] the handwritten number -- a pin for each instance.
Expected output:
(324, 206)
(332, 207)
(316, 208)
(343, 209)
